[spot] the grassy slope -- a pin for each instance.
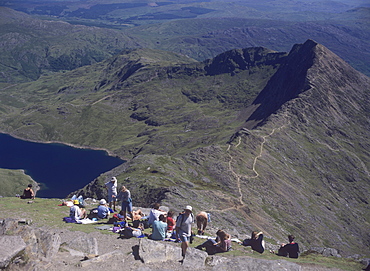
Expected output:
(13, 182)
(47, 213)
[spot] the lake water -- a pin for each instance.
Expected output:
(60, 169)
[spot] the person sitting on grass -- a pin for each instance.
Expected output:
(256, 242)
(221, 244)
(28, 193)
(291, 249)
(76, 212)
(129, 232)
(159, 228)
(103, 210)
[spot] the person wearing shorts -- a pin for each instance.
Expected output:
(183, 228)
(125, 197)
(112, 192)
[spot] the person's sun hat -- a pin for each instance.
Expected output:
(76, 201)
(188, 207)
(102, 202)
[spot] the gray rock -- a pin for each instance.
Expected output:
(8, 226)
(195, 258)
(48, 243)
(327, 252)
(10, 247)
(156, 251)
(88, 245)
(253, 264)
(101, 258)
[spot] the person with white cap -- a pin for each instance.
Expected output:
(111, 187)
(183, 228)
(103, 210)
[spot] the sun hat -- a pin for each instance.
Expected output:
(102, 201)
(76, 201)
(188, 207)
(114, 179)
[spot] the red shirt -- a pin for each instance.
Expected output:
(170, 223)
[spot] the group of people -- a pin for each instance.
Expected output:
(163, 224)
(256, 242)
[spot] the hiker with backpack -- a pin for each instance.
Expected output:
(183, 229)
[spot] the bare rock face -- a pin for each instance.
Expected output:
(252, 264)
(10, 247)
(88, 245)
(36, 243)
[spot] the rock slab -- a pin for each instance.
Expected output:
(10, 247)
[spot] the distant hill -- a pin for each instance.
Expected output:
(206, 38)
(31, 47)
(260, 139)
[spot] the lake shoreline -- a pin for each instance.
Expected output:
(110, 153)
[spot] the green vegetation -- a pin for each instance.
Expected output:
(13, 182)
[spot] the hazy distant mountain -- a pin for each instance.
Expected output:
(261, 139)
(30, 47)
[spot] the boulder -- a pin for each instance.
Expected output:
(87, 245)
(11, 246)
(325, 251)
(156, 251)
(331, 252)
(253, 264)
(195, 258)
(48, 243)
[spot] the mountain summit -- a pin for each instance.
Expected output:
(310, 67)
(260, 139)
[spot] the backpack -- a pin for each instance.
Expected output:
(93, 213)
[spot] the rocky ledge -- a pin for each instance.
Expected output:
(24, 247)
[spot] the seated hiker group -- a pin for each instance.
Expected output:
(164, 226)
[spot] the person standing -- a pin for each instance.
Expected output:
(183, 228)
(125, 197)
(111, 187)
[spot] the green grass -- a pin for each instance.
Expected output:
(13, 182)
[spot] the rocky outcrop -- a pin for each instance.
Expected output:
(11, 247)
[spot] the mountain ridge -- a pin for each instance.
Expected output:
(297, 171)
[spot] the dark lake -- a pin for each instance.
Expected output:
(60, 169)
